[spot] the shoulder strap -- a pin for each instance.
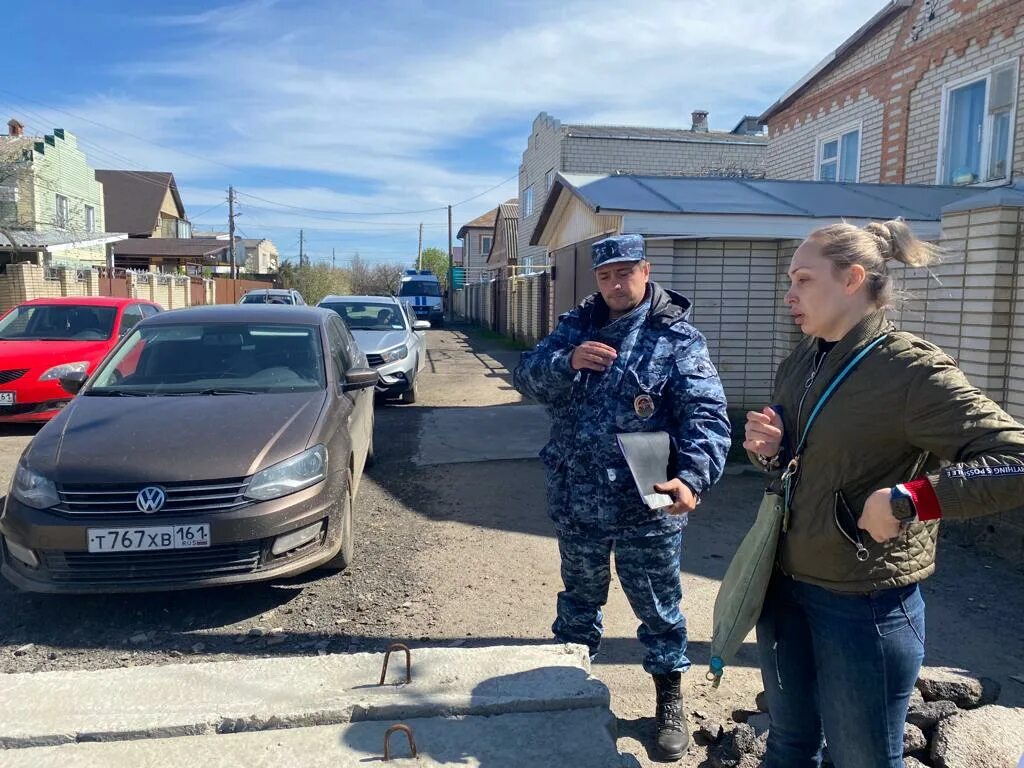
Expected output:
(832, 387)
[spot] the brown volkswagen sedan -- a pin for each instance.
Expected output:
(214, 445)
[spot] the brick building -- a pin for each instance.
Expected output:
(926, 92)
(555, 147)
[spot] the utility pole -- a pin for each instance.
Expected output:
(333, 262)
(302, 257)
(451, 293)
(419, 250)
(231, 231)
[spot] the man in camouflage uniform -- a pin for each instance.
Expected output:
(626, 360)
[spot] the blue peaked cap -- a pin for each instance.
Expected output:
(617, 248)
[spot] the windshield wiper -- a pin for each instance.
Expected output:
(214, 391)
(116, 393)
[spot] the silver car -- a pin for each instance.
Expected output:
(388, 334)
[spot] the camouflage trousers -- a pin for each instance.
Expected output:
(648, 570)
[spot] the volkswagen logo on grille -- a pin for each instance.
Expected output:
(151, 499)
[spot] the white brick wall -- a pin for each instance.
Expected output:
(543, 153)
(791, 154)
(871, 52)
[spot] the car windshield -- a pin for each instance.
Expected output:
(58, 322)
(369, 316)
(267, 298)
(420, 288)
(214, 358)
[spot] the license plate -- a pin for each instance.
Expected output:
(150, 538)
(7, 398)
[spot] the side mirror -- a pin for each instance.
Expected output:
(421, 325)
(73, 382)
(359, 378)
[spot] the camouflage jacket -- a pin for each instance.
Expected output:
(662, 362)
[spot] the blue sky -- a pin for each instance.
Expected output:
(359, 120)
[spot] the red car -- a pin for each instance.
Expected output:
(44, 339)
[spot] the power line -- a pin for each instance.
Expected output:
(255, 197)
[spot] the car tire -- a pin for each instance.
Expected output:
(410, 395)
(343, 559)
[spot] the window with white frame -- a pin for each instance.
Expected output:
(90, 219)
(977, 127)
(549, 179)
(485, 244)
(528, 201)
(63, 212)
(839, 155)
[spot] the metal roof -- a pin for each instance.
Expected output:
(706, 203)
(171, 247)
(1011, 196)
(53, 239)
(821, 199)
(638, 133)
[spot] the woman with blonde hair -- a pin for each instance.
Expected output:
(874, 435)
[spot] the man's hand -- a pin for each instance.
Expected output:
(877, 518)
(763, 433)
(683, 496)
(593, 356)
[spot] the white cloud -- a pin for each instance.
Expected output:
(386, 93)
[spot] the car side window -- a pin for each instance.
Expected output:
(339, 352)
(148, 310)
(131, 317)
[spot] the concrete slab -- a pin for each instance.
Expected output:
(489, 433)
(51, 708)
(582, 737)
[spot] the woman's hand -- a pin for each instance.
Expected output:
(764, 433)
(877, 518)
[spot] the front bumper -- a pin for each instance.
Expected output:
(240, 551)
(395, 378)
(430, 314)
(34, 401)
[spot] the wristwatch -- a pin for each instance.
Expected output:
(902, 504)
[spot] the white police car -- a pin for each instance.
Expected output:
(422, 290)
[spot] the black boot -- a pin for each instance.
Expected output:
(673, 735)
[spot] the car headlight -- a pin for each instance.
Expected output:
(33, 489)
(290, 475)
(64, 369)
(398, 353)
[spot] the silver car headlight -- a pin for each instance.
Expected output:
(291, 475)
(396, 354)
(33, 489)
(65, 369)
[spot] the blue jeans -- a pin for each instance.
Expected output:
(840, 667)
(648, 570)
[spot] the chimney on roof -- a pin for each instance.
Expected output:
(14, 128)
(700, 121)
